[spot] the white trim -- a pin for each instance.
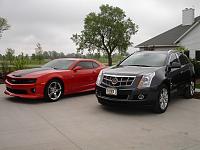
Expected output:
(190, 29)
(156, 46)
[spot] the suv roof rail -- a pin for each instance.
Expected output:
(172, 50)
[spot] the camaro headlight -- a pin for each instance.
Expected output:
(99, 78)
(146, 80)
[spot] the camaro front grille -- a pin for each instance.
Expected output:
(20, 81)
(16, 91)
(117, 81)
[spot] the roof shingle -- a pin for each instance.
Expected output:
(169, 37)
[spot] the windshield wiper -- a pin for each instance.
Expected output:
(140, 65)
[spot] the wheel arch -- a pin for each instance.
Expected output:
(56, 78)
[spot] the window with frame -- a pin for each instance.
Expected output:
(85, 64)
(197, 55)
(95, 65)
(183, 59)
(173, 58)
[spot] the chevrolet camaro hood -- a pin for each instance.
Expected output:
(35, 72)
(130, 70)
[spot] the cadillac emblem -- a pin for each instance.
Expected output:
(114, 81)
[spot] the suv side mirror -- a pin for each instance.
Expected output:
(175, 65)
(77, 68)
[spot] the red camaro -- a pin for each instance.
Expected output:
(54, 79)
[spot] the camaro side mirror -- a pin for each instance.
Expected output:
(77, 68)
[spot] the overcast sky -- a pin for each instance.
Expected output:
(52, 22)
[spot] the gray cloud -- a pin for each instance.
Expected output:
(52, 22)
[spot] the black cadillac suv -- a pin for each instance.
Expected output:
(146, 78)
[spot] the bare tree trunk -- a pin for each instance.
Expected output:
(109, 60)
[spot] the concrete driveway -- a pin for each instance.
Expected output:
(80, 123)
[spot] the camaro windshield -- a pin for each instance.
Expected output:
(146, 59)
(59, 64)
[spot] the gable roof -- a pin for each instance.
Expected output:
(169, 37)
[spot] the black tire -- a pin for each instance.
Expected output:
(162, 100)
(102, 102)
(189, 90)
(53, 94)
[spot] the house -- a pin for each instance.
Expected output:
(186, 35)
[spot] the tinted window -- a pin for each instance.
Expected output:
(85, 64)
(151, 59)
(183, 59)
(197, 55)
(173, 58)
(59, 64)
(95, 65)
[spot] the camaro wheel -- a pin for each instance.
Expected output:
(162, 101)
(53, 90)
(189, 91)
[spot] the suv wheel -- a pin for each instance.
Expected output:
(162, 101)
(189, 91)
(53, 90)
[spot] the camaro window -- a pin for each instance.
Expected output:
(59, 64)
(147, 59)
(85, 64)
(95, 65)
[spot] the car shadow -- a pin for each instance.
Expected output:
(25, 101)
(40, 101)
(141, 110)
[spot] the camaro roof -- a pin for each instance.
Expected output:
(75, 59)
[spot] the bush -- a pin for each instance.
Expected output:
(4, 68)
(196, 68)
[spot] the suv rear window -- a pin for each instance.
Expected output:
(183, 59)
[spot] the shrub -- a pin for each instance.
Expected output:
(196, 67)
(4, 68)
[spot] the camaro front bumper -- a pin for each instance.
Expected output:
(128, 95)
(30, 91)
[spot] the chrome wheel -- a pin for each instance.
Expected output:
(54, 90)
(192, 88)
(164, 98)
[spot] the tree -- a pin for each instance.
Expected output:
(3, 25)
(107, 31)
(10, 54)
(20, 61)
(39, 53)
(45, 55)
(181, 49)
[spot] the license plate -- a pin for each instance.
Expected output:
(111, 91)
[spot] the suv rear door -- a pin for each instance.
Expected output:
(185, 69)
(174, 73)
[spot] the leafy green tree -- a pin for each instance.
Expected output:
(4, 66)
(181, 49)
(45, 55)
(3, 25)
(107, 31)
(10, 55)
(20, 61)
(61, 55)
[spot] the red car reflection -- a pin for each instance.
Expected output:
(56, 78)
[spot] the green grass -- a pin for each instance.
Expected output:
(197, 85)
